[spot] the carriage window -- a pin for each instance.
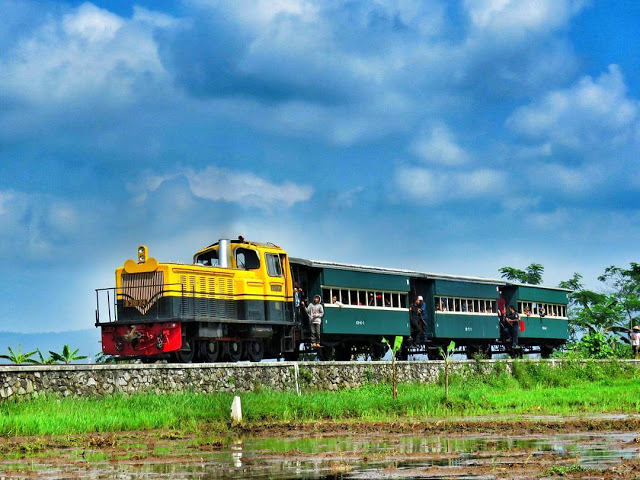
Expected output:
(387, 299)
(364, 298)
(326, 295)
(345, 297)
(274, 267)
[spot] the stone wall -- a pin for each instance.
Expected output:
(95, 380)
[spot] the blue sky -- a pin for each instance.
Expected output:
(441, 136)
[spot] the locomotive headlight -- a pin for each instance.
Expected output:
(143, 253)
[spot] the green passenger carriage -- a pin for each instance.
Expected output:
(372, 303)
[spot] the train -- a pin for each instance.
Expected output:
(244, 300)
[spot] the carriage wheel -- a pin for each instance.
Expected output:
(324, 353)
(343, 353)
(210, 350)
(378, 350)
(546, 351)
(433, 354)
(472, 351)
(402, 354)
(292, 356)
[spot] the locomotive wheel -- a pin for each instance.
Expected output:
(255, 350)
(233, 351)
(183, 355)
(210, 350)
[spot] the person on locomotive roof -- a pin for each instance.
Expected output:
(316, 312)
(514, 322)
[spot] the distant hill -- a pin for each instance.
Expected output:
(86, 340)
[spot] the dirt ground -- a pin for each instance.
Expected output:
(595, 447)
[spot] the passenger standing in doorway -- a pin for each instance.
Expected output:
(417, 319)
(423, 318)
(514, 321)
(501, 307)
(316, 312)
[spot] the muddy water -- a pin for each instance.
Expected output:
(371, 456)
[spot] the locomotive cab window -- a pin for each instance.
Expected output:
(247, 259)
(274, 267)
(208, 259)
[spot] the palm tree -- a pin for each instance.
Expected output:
(18, 357)
(67, 356)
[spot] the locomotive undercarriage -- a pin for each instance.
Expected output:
(207, 342)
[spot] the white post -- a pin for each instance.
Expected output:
(236, 410)
(295, 374)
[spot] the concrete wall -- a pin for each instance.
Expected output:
(94, 380)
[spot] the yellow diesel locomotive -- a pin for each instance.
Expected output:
(235, 301)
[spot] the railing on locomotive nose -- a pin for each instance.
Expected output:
(113, 294)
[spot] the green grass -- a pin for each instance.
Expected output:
(531, 389)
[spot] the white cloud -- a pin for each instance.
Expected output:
(88, 52)
(245, 188)
(438, 145)
(435, 186)
(509, 17)
(591, 115)
(92, 24)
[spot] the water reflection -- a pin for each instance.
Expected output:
(370, 456)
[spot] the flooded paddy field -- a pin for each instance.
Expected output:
(543, 448)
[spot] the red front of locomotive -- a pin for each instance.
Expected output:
(142, 339)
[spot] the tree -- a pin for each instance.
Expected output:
(67, 356)
(397, 345)
(574, 283)
(626, 289)
(447, 356)
(44, 361)
(18, 357)
(598, 315)
(532, 274)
